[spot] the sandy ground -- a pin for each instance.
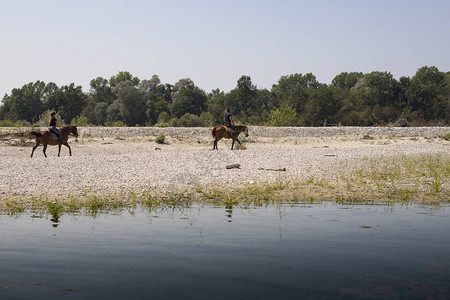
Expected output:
(108, 165)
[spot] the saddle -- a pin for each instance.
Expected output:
(54, 135)
(228, 129)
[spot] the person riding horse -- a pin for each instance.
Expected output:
(52, 126)
(228, 121)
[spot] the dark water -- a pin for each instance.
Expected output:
(320, 251)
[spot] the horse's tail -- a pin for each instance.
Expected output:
(213, 132)
(36, 134)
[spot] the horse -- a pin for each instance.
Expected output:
(221, 131)
(45, 138)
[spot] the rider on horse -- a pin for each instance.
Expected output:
(229, 123)
(52, 126)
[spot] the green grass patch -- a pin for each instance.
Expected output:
(446, 136)
(411, 179)
(160, 139)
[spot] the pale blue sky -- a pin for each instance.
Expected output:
(215, 42)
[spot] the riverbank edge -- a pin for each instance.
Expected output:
(283, 190)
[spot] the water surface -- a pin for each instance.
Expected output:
(319, 251)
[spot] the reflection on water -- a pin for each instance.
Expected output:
(229, 212)
(55, 219)
(320, 251)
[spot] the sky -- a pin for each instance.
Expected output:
(214, 43)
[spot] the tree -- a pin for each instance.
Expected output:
(216, 105)
(427, 93)
(70, 101)
(101, 91)
(150, 86)
(291, 90)
(121, 77)
(100, 112)
(187, 98)
(183, 83)
(25, 103)
(285, 115)
(380, 88)
(132, 106)
(346, 80)
(322, 107)
(113, 112)
(89, 111)
(156, 105)
(243, 99)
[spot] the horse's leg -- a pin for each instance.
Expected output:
(215, 143)
(67, 145)
(35, 146)
(232, 145)
(45, 148)
(238, 142)
(59, 149)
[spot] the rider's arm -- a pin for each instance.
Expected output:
(57, 123)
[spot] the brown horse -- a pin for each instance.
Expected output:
(45, 138)
(221, 131)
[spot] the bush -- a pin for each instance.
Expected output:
(187, 120)
(283, 116)
(80, 121)
(45, 117)
(163, 117)
(160, 139)
(6, 123)
(161, 125)
(115, 124)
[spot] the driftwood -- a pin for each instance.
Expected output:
(281, 169)
(235, 166)
(401, 123)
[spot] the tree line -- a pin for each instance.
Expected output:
(352, 99)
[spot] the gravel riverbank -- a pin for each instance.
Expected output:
(108, 161)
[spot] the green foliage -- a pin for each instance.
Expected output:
(292, 90)
(427, 93)
(100, 113)
(8, 123)
(70, 101)
(446, 137)
(115, 124)
(346, 80)
(123, 77)
(188, 99)
(283, 116)
(80, 121)
(352, 99)
(160, 139)
(321, 107)
(132, 106)
(101, 91)
(187, 120)
(44, 119)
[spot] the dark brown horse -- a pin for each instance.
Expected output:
(221, 131)
(45, 138)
